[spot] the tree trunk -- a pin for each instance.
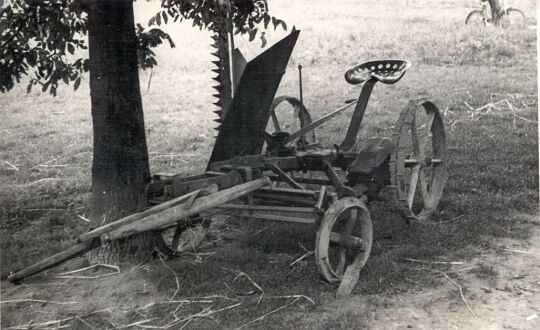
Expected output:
(120, 167)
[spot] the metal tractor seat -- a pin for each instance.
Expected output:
(385, 71)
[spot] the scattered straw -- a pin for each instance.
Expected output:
(67, 274)
(11, 165)
(247, 293)
(55, 323)
(435, 262)
(175, 277)
(260, 318)
(499, 108)
(520, 251)
(460, 292)
(18, 301)
(301, 258)
(292, 296)
(83, 218)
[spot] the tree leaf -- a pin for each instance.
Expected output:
(45, 86)
(71, 48)
(165, 18)
(77, 83)
(252, 34)
(29, 87)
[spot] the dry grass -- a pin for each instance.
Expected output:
(493, 169)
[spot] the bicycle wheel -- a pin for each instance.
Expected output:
(512, 19)
(476, 18)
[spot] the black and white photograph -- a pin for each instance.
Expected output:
(269, 164)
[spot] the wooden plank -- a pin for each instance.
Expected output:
(137, 216)
(266, 216)
(56, 259)
(267, 208)
(176, 213)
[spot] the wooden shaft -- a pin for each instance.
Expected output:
(176, 213)
(56, 259)
(135, 217)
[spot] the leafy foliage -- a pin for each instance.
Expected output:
(42, 39)
(148, 40)
(41, 36)
(245, 14)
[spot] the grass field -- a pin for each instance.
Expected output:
(491, 194)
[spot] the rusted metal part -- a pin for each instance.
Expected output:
(241, 131)
(419, 159)
(354, 126)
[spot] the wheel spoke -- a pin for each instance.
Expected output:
(425, 140)
(414, 138)
(412, 185)
(424, 187)
(347, 231)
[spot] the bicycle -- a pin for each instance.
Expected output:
(507, 19)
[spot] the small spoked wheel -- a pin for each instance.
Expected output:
(185, 236)
(343, 243)
(418, 164)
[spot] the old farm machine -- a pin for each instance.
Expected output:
(253, 174)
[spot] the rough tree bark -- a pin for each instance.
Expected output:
(120, 166)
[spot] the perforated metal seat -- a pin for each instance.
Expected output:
(385, 71)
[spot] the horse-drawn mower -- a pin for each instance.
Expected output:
(252, 174)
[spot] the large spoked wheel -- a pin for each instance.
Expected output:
(512, 19)
(418, 164)
(343, 243)
(185, 236)
(282, 119)
(476, 18)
